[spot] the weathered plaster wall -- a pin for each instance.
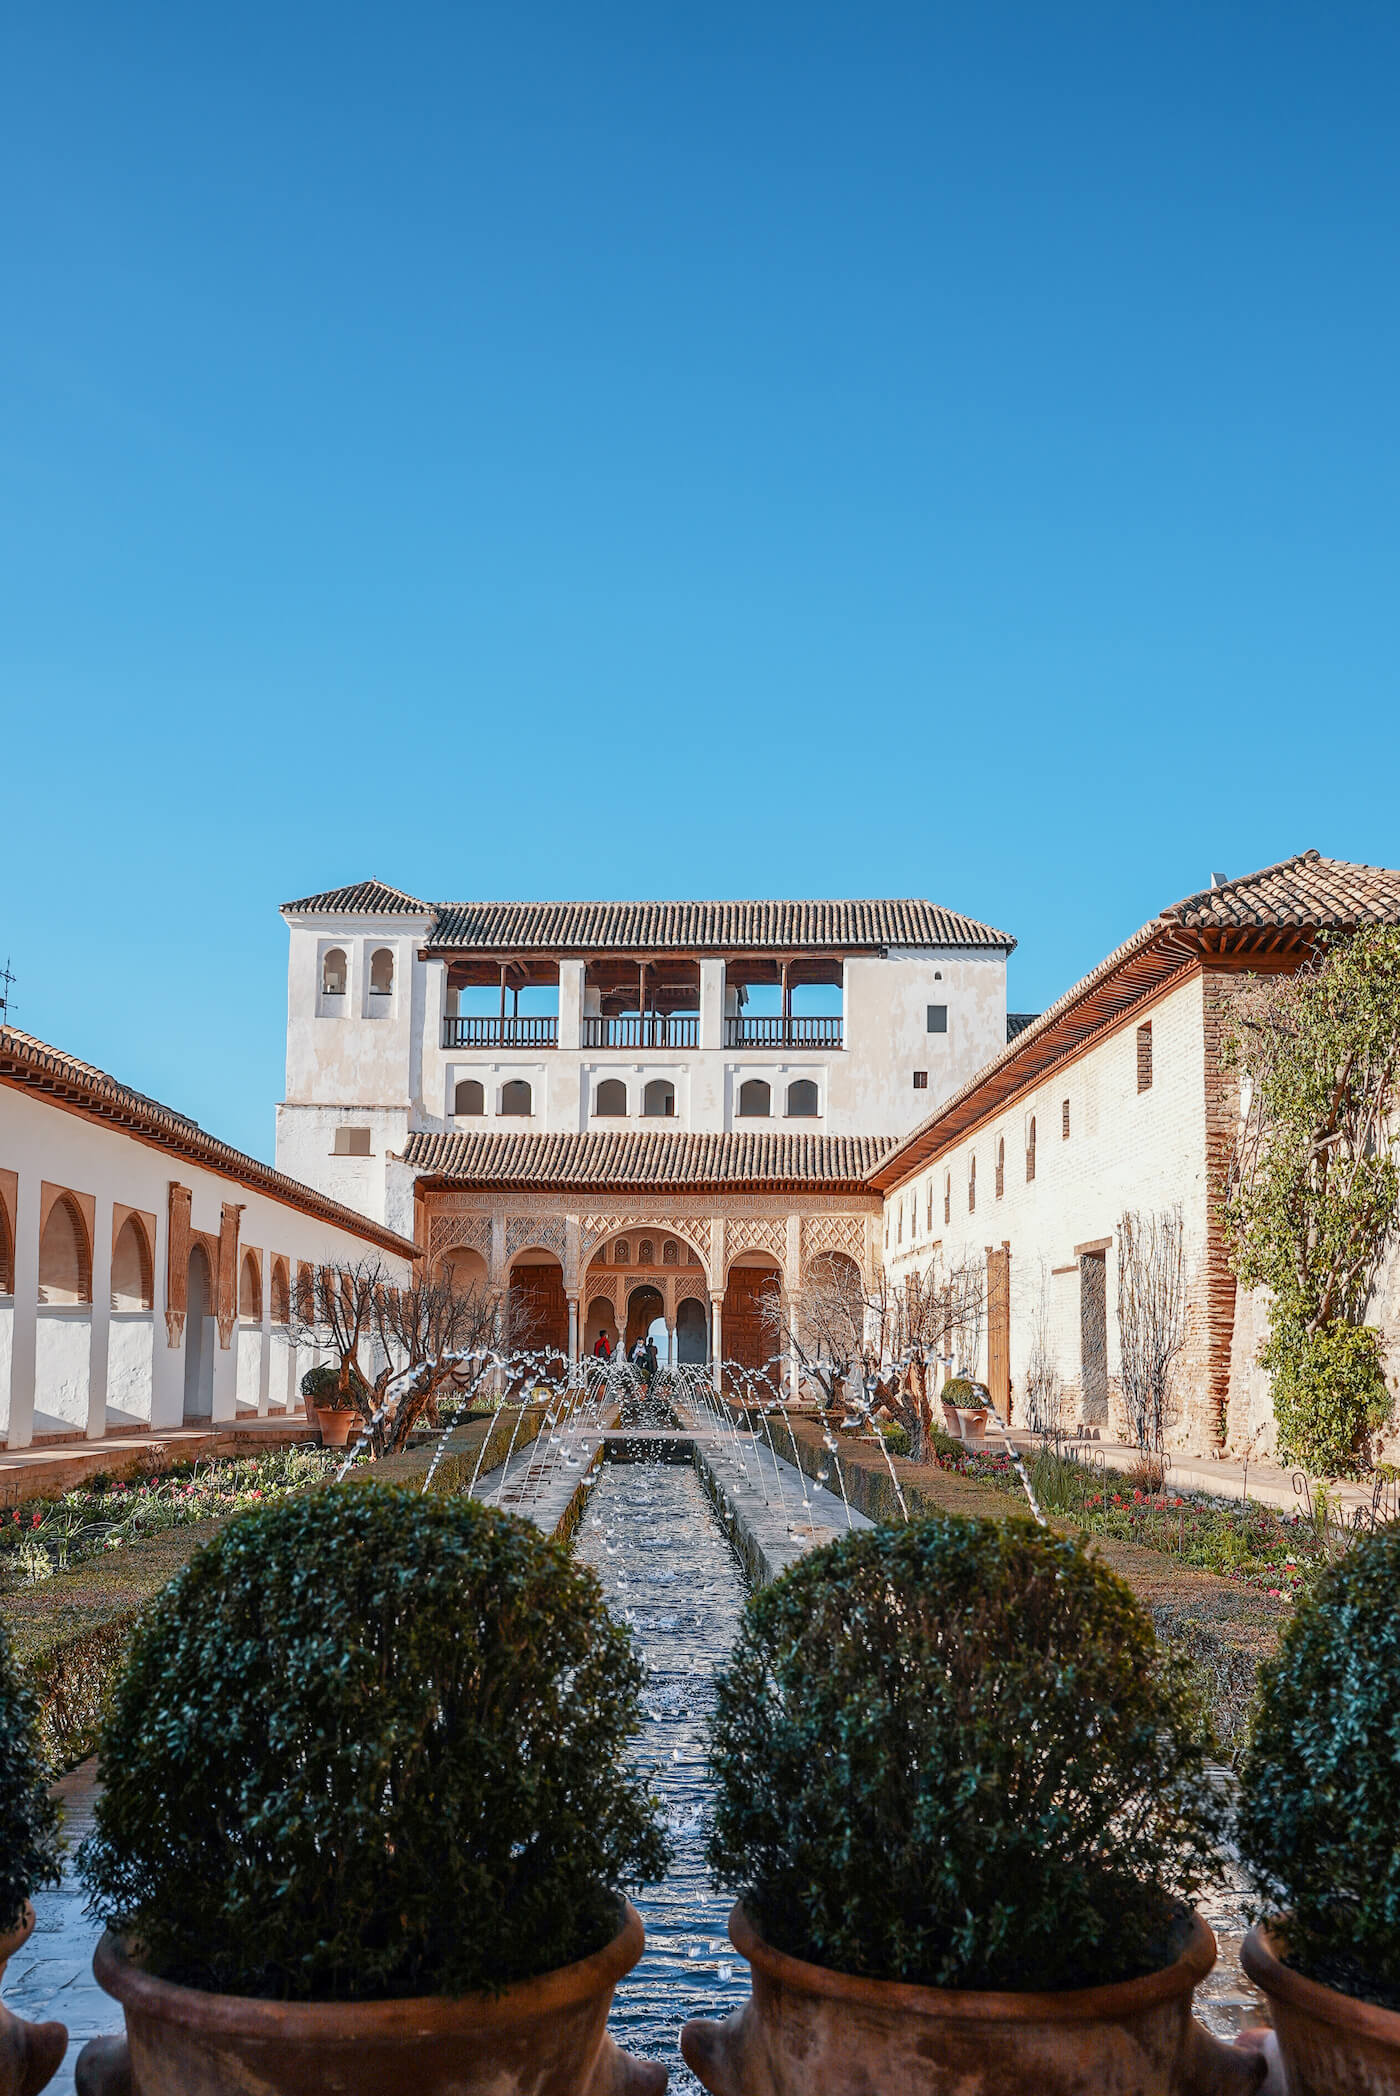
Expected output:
(88, 1369)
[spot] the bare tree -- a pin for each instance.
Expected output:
(1042, 1376)
(1151, 1317)
(334, 1311)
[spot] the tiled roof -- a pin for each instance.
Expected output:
(672, 1159)
(1017, 1022)
(1289, 901)
(362, 899)
(665, 927)
(1309, 892)
(34, 1066)
(652, 927)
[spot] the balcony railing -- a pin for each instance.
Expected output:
(782, 1033)
(650, 1030)
(500, 1033)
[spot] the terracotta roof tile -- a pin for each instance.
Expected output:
(1309, 892)
(34, 1065)
(362, 899)
(673, 1159)
(594, 927)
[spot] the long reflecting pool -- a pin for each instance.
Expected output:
(653, 1538)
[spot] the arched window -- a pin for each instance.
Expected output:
(801, 1098)
(1001, 1166)
(670, 1253)
(7, 1253)
(947, 1197)
(659, 1098)
(622, 1253)
(250, 1290)
(755, 1097)
(1030, 1149)
(646, 1253)
(65, 1261)
(515, 1097)
(469, 1097)
(972, 1185)
(131, 1268)
(281, 1293)
(381, 973)
(334, 970)
(464, 1268)
(612, 1097)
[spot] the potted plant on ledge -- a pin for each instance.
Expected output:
(30, 1852)
(966, 1799)
(368, 1813)
(1319, 1829)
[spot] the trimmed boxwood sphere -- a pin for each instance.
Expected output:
(951, 1753)
(371, 1743)
(30, 1848)
(1319, 1803)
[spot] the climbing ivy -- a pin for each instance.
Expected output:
(1314, 1197)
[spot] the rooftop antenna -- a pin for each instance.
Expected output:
(7, 976)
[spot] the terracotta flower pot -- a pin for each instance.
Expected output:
(543, 2037)
(805, 2029)
(30, 2053)
(1331, 2044)
(336, 1424)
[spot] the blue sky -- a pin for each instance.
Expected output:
(621, 450)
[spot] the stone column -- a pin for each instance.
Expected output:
(716, 1335)
(794, 1372)
(100, 1341)
(573, 1328)
(24, 1332)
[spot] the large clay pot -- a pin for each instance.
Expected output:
(805, 2030)
(544, 2037)
(30, 2053)
(336, 1424)
(1330, 2043)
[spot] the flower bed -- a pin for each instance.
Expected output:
(1255, 1546)
(44, 1537)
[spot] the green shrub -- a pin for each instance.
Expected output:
(951, 1753)
(1320, 1789)
(371, 1743)
(29, 1843)
(322, 1385)
(1328, 1390)
(958, 1391)
(895, 1438)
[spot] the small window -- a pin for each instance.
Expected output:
(928, 1218)
(351, 1142)
(334, 969)
(947, 1197)
(1030, 1149)
(65, 1262)
(646, 1253)
(921, 1080)
(1064, 1120)
(1144, 1057)
(622, 1253)
(670, 1253)
(972, 1186)
(381, 973)
(801, 1099)
(469, 1097)
(755, 1098)
(1001, 1166)
(612, 1097)
(659, 1099)
(938, 1018)
(516, 1097)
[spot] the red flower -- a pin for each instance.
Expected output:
(35, 1522)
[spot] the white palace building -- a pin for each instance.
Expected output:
(633, 1111)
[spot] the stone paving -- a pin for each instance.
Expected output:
(52, 1975)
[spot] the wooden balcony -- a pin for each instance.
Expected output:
(500, 1033)
(645, 1030)
(782, 1033)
